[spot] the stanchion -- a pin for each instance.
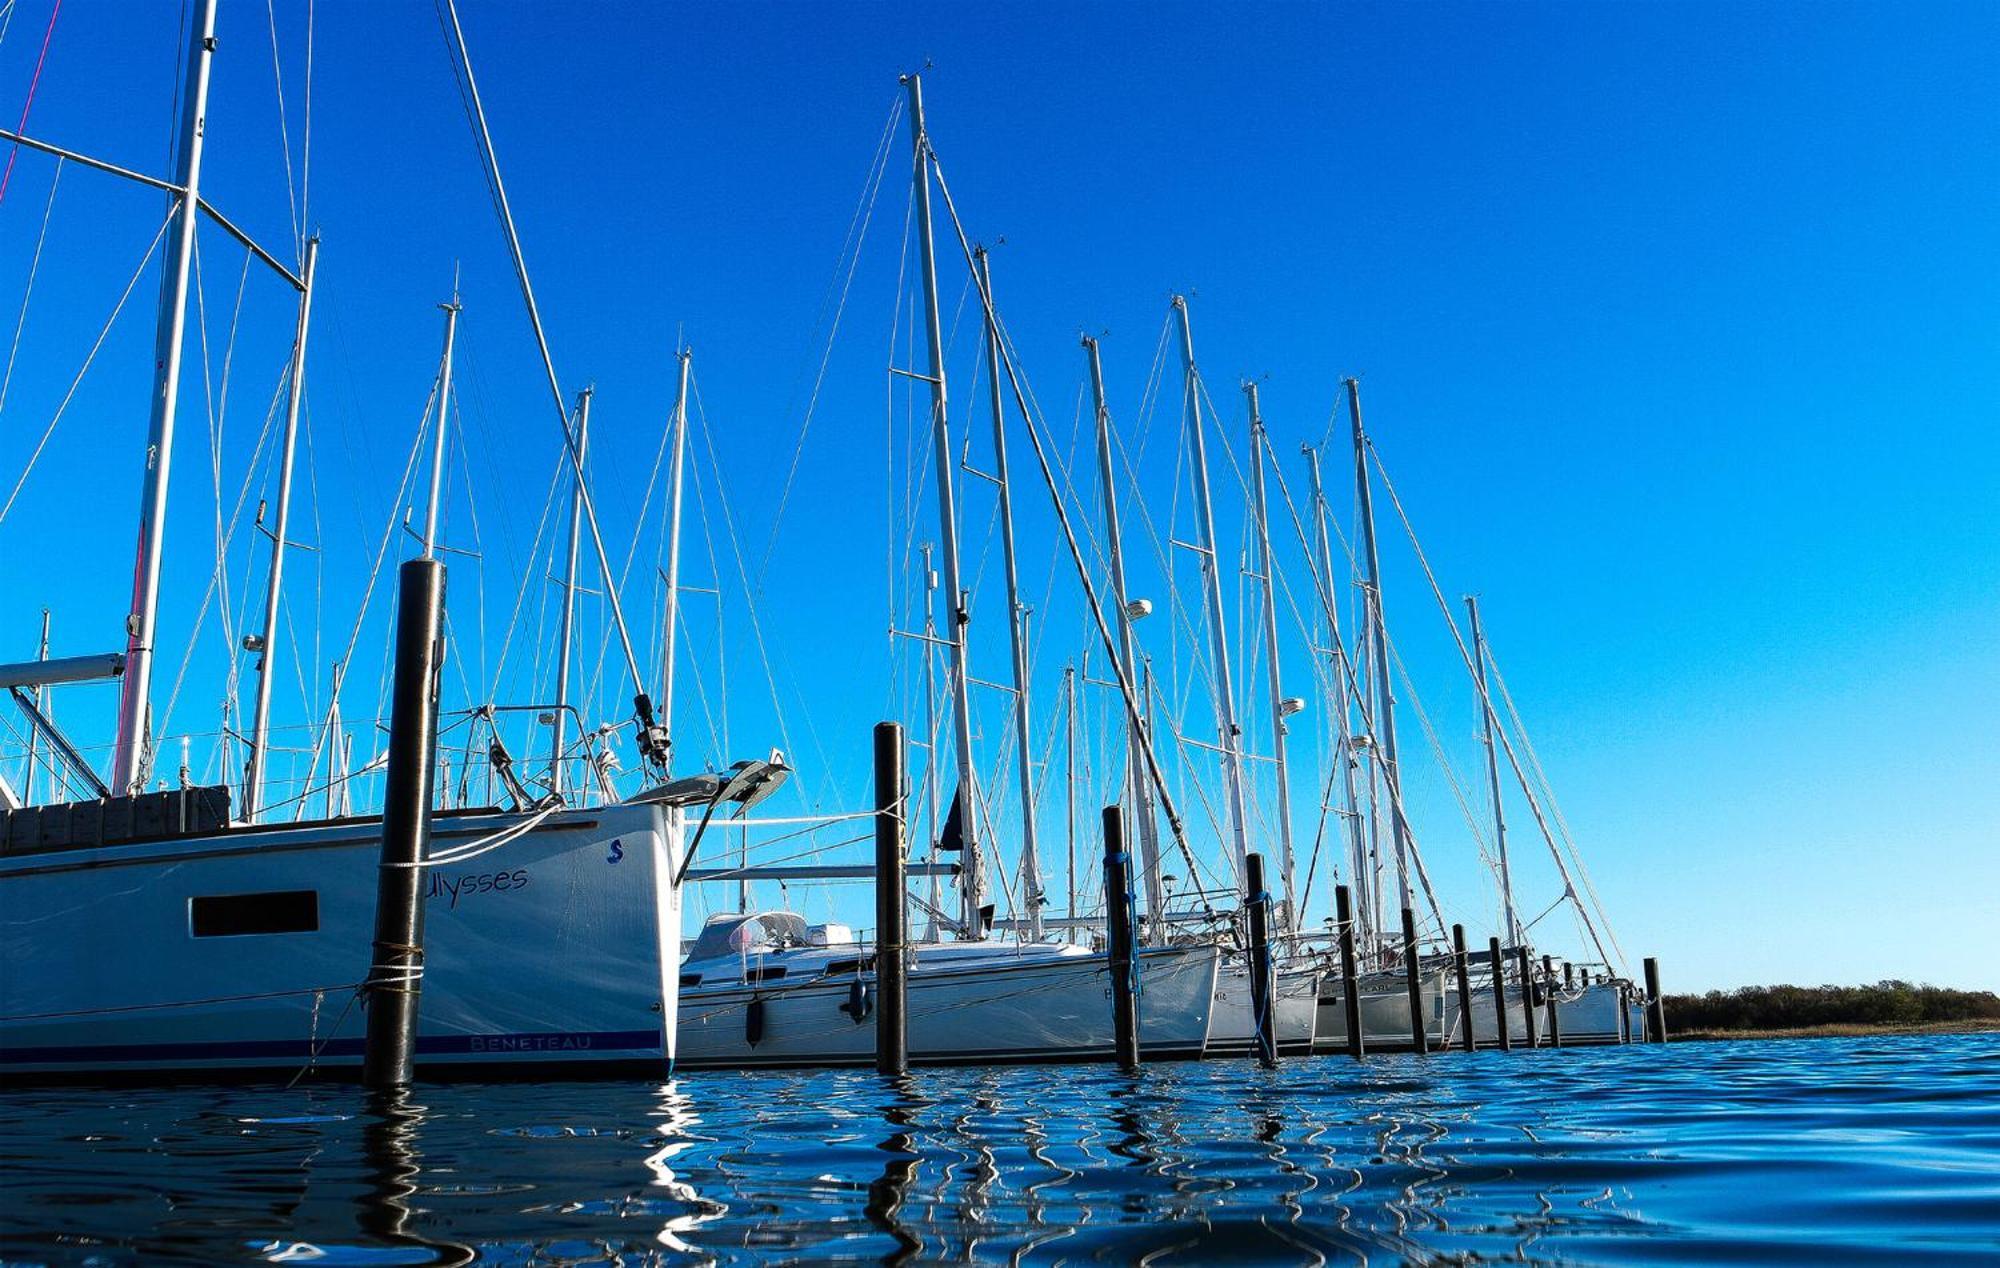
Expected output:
(1343, 910)
(1464, 985)
(1549, 989)
(1119, 951)
(396, 971)
(892, 1041)
(1656, 1008)
(1525, 963)
(1494, 958)
(1413, 975)
(1257, 902)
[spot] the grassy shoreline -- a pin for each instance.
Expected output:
(1839, 1030)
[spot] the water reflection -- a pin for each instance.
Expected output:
(390, 1122)
(887, 1192)
(1718, 1151)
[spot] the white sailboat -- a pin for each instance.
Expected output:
(768, 989)
(161, 934)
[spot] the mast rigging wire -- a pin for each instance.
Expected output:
(28, 293)
(41, 59)
(1534, 803)
(469, 93)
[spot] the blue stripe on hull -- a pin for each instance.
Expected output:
(571, 1044)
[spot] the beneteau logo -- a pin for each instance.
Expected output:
(455, 887)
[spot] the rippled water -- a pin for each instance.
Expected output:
(1806, 1152)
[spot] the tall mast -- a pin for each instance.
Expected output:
(1069, 784)
(561, 726)
(1139, 787)
(431, 507)
(1267, 569)
(1229, 735)
(676, 471)
(1357, 845)
(1385, 700)
(260, 717)
(130, 759)
(972, 880)
(35, 733)
(1031, 863)
(1510, 919)
(931, 782)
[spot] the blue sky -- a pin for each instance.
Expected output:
(1676, 326)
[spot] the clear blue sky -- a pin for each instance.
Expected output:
(1677, 328)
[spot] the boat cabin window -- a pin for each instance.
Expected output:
(690, 979)
(230, 915)
(834, 968)
(765, 975)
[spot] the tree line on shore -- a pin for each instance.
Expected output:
(1886, 1003)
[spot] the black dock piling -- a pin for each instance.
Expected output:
(1119, 950)
(892, 1040)
(396, 969)
(1656, 1008)
(1549, 989)
(1525, 963)
(1624, 1013)
(1263, 988)
(1464, 986)
(1343, 908)
(1499, 963)
(1413, 974)
(1569, 982)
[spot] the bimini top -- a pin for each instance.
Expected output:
(733, 932)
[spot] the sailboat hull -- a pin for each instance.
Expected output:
(238, 954)
(1385, 1012)
(981, 1011)
(1232, 1025)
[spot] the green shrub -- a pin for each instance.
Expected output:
(1786, 1007)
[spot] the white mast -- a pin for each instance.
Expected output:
(1069, 786)
(260, 717)
(1385, 700)
(1280, 707)
(34, 732)
(930, 724)
(1344, 737)
(130, 760)
(431, 508)
(972, 880)
(676, 471)
(569, 594)
(1139, 787)
(1511, 921)
(1031, 863)
(1229, 734)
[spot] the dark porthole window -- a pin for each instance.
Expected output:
(231, 915)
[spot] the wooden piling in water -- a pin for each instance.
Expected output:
(1656, 1008)
(1257, 904)
(892, 1040)
(1549, 989)
(396, 969)
(1499, 963)
(1464, 985)
(1413, 975)
(1119, 946)
(1343, 907)
(1526, 965)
